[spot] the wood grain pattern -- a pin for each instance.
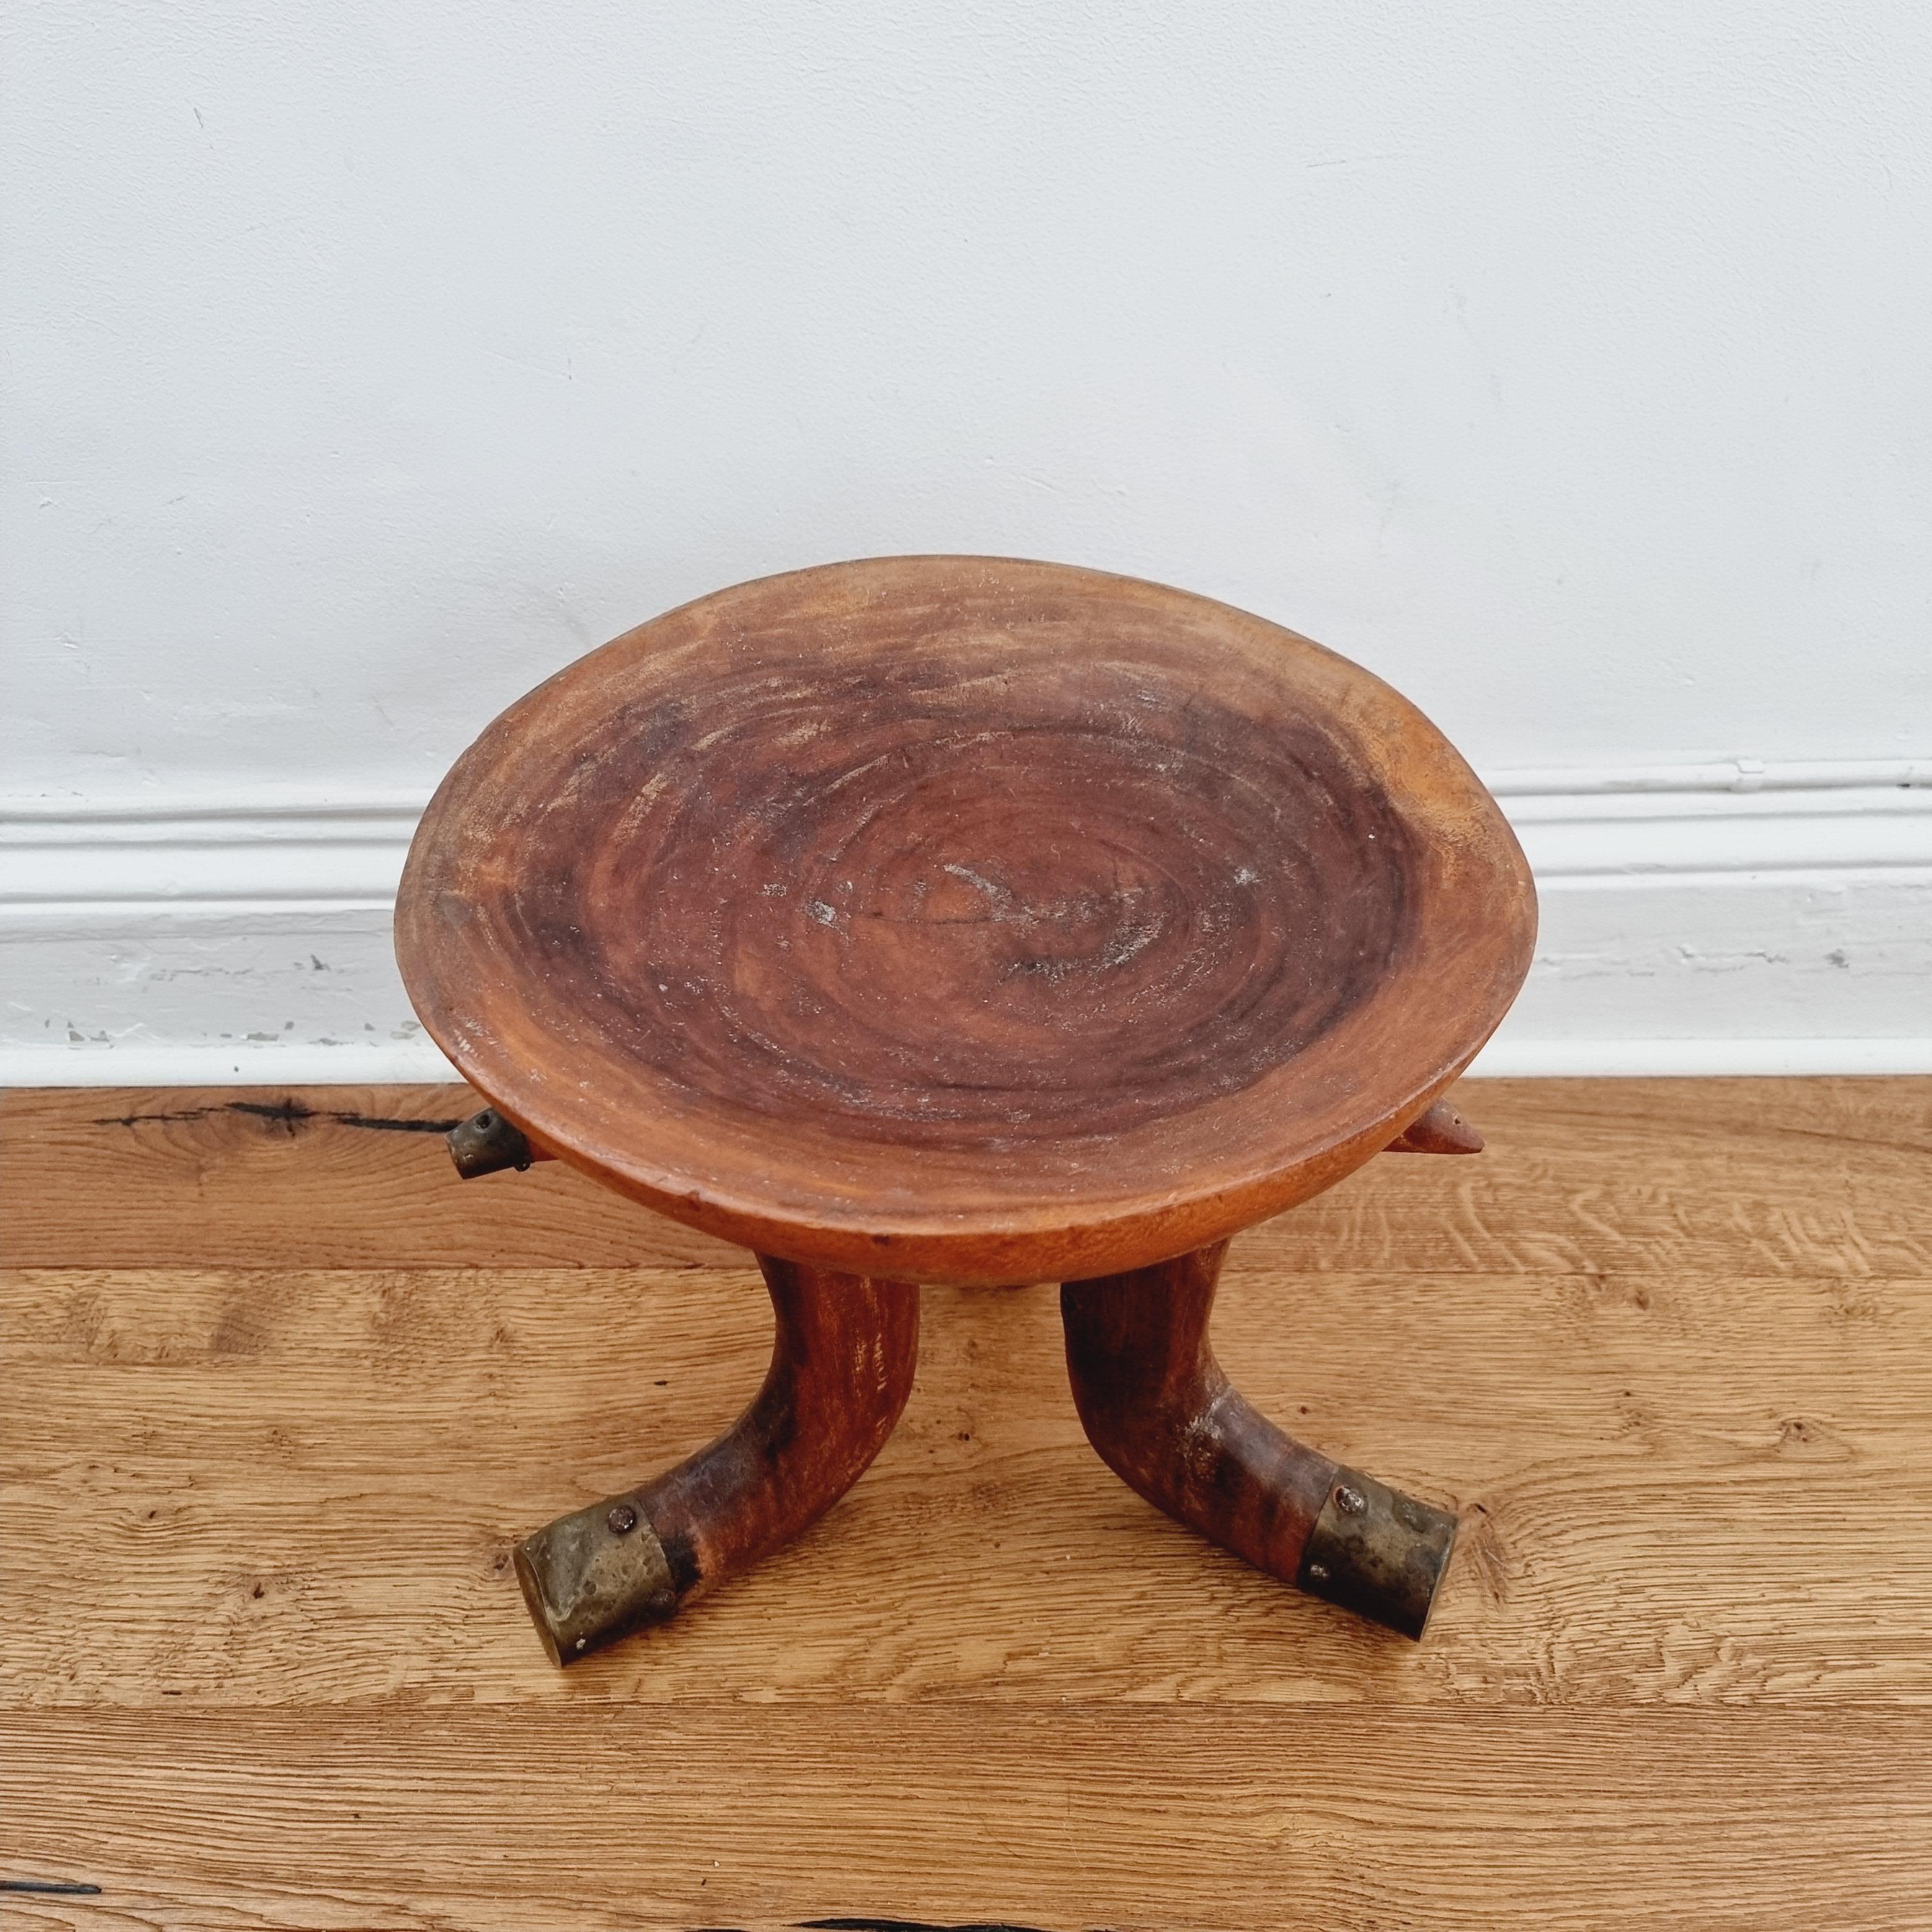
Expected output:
(1132, 917)
(1702, 1176)
(1159, 1408)
(263, 1662)
(1129, 1816)
(842, 1370)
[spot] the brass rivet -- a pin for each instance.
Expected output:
(1350, 1502)
(622, 1519)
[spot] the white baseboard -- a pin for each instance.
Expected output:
(1721, 919)
(1698, 1058)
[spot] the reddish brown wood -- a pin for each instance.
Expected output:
(1165, 1419)
(975, 919)
(1442, 1129)
(842, 1363)
(966, 919)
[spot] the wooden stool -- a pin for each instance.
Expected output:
(953, 919)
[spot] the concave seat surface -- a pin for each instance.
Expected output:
(960, 918)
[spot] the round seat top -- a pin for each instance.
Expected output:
(956, 918)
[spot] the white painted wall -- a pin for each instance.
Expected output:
(1566, 365)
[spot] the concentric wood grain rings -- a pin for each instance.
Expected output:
(963, 918)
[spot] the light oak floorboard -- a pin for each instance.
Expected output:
(281, 1393)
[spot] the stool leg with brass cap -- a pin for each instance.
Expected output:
(1165, 1418)
(842, 1370)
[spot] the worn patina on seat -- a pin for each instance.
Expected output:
(963, 920)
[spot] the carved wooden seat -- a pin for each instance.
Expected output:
(951, 919)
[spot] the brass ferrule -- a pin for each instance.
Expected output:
(1377, 1552)
(590, 1576)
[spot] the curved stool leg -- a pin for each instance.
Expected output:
(842, 1369)
(1167, 1422)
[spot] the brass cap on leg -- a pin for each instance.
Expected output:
(592, 1575)
(1377, 1552)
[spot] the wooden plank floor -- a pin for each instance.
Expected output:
(280, 1393)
